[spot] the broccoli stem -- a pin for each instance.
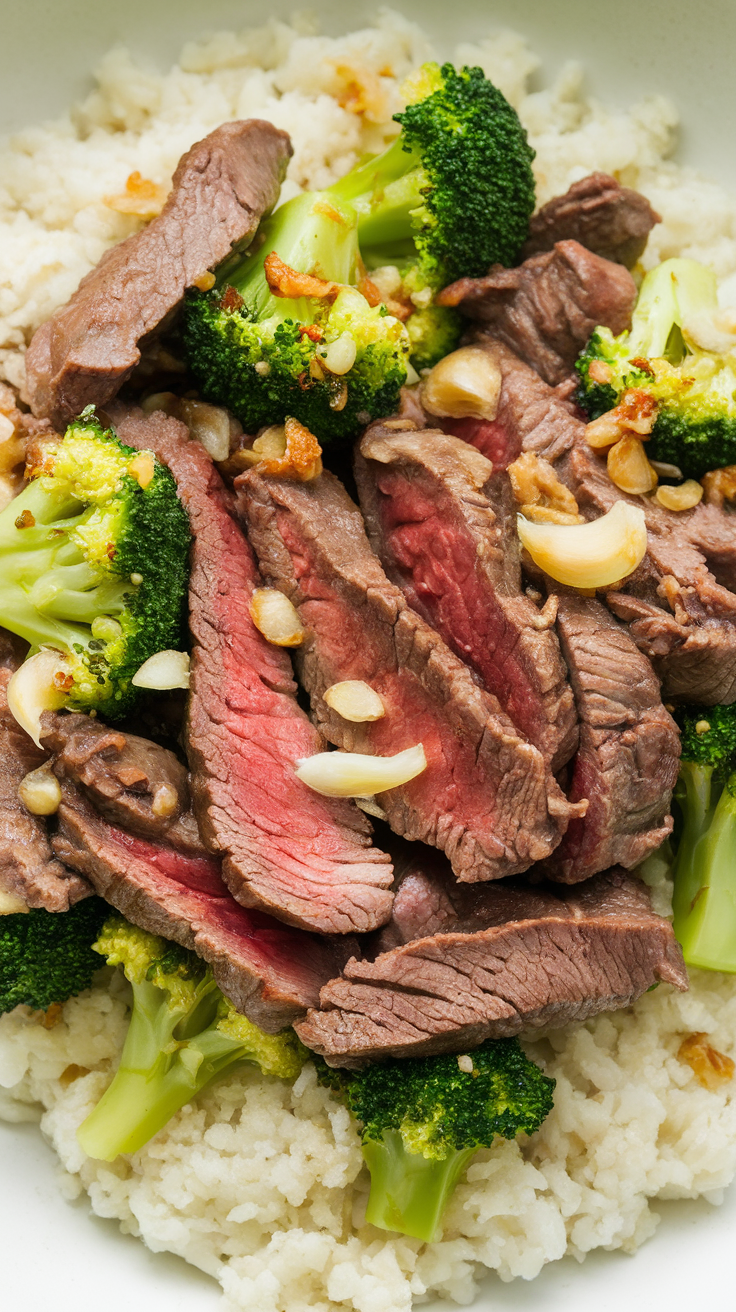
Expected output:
(669, 295)
(385, 192)
(705, 871)
(159, 1071)
(409, 1192)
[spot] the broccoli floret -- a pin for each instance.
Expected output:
(695, 389)
(266, 356)
(433, 333)
(47, 957)
(704, 867)
(94, 563)
(183, 1033)
(424, 1118)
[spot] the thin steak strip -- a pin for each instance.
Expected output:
(270, 972)
(457, 965)
(428, 501)
(220, 190)
(304, 858)
(611, 220)
(485, 798)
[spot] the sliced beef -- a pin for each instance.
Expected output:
(485, 797)
(306, 859)
(131, 781)
(627, 762)
(445, 529)
(457, 965)
(270, 972)
(220, 190)
(611, 220)
(546, 309)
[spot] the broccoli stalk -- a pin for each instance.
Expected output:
(424, 1119)
(94, 564)
(47, 957)
(183, 1033)
(704, 868)
(694, 389)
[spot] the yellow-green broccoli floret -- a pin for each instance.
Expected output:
(94, 563)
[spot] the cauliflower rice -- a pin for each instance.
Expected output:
(261, 1184)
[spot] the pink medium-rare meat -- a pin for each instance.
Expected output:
(444, 527)
(220, 190)
(270, 972)
(459, 964)
(611, 220)
(485, 798)
(546, 309)
(304, 858)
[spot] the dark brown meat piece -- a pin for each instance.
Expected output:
(445, 529)
(457, 965)
(611, 220)
(270, 972)
(131, 782)
(220, 190)
(627, 762)
(485, 798)
(304, 858)
(546, 309)
(29, 871)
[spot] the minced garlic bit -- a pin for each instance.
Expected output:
(205, 282)
(10, 904)
(355, 700)
(710, 1067)
(719, 486)
(635, 413)
(684, 497)
(142, 468)
(592, 555)
(629, 468)
(465, 1064)
(165, 801)
(540, 495)
(466, 384)
(351, 774)
(276, 618)
(702, 726)
(141, 197)
(163, 670)
(208, 424)
(40, 791)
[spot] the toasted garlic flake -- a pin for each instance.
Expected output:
(276, 618)
(371, 807)
(720, 485)
(10, 905)
(683, 497)
(350, 774)
(142, 469)
(590, 555)
(208, 424)
(165, 801)
(710, 1067)
(141, 197)
(301, 457)
(166, 669)
(40, 792)
(629, 468)
(355, 700)
(539, 492)
(466, 384)
(39, 684)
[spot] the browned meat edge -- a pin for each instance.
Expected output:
(597, 211)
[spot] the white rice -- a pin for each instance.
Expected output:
(258, 1183)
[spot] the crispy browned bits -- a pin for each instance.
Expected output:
(710, 1067)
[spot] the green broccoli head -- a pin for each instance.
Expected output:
(183, 1033)
(705, 851)
(47, 957)
(333, 361)
(695, 389)
(424, 1118)
(94, 564)
(433, 333)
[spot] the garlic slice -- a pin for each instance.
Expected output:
(350, 774)
(465, 384)
(276, 618)
(163, 670)
(38, 685)
(208, 424)
(591, 555)
(355, 700)
(40, 792)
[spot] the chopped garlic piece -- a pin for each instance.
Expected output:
(142, 468)
(166, 669)
(39, 684)
(684, 497)
(10, 905)
(465, 1064)
(339, 356)
(208, 424)
(465, 384)
(40, 792)
(276, 618)
(590, 555)
(355, 700)
(629, 468)
(350, 774)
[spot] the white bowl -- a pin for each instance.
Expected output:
(55, 1255)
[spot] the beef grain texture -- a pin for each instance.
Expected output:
(444, 528)
(611, 220)
(220, 190)
(546, 309)
(304, 858)
(131, 782)
(28, 867)
(457, 965)
(485, 798)
(628, 758)
(270, 973)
